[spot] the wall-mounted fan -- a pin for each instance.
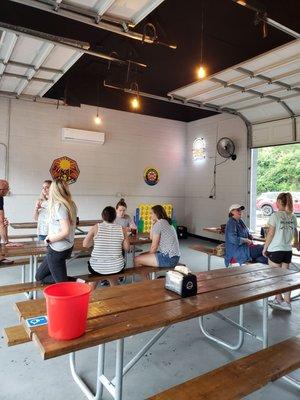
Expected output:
(226, 148)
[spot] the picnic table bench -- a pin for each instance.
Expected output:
(119, 312)
(34, 250)
(241, 377)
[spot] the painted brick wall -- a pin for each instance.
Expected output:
(231, 177)
(133, 142)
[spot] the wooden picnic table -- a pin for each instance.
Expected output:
(213, 229)
(116, 313)
(33, 225)
(38, 248)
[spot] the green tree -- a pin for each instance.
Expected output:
(278, 169)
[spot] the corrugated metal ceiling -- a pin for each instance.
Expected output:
(264, 88)
(31, 66)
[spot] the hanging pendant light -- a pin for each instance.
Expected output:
(97, 119)
(135, 100)
(201, 70)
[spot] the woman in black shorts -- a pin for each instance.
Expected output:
(278, 246)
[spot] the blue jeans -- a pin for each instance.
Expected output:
(163, 260)
(256, 254)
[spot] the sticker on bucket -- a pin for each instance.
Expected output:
(37, 321)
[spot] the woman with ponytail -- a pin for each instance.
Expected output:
(278, 246)
(61, 231)
(164, 250)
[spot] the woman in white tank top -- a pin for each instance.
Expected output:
(108, 239)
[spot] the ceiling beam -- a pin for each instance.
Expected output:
(83, 47)
(91, 18)
(262, 16)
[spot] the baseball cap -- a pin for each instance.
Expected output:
(236, 207)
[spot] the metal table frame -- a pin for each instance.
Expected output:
(115, 385)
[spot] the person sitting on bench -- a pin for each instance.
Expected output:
(122, 218)
(108, 239)
(239, 247)
(164, 251)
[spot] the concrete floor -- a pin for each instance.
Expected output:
(181, 354)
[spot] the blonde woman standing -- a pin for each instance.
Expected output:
(60, 238)
(278, 246)
(41, 211)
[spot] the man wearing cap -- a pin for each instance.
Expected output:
(238, 240)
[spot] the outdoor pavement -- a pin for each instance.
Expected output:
(182, 353)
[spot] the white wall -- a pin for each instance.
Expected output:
(231, 176)
(133, 142)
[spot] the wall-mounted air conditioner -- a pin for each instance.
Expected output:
(80, 136)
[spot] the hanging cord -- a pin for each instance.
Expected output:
(202, 30)
(212, 194)
(98, 85)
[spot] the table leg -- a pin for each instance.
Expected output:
(31, 261)
(238, 325)
(208, 262)
(100, 371)
(23, 273)
(119, 369)
(292, 381)
(265, 323)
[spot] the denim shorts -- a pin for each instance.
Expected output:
(42, 237)
(163, 260)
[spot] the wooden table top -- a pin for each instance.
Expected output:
(36, 248)
(33, 225)
(213, 229)
(122, 311)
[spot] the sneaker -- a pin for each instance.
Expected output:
(274, 303)
(104, 283)
(80, 280)
(122, 279)
(283, 305)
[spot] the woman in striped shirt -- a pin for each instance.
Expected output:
(108, 239)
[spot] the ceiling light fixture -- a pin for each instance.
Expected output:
(97, 119)
(201, 71)
(135, 100)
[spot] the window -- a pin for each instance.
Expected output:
(199, 149)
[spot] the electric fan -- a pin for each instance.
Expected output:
(226, 148)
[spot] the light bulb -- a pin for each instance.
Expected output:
(135, 102)
(97, 120)
(201, 72)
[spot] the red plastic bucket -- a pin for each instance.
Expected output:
(67, 307)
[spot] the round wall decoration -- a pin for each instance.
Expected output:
(151, 176)
(65, 168)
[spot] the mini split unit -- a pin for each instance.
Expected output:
(80, 136)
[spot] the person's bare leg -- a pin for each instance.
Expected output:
(287, 295)
(93, 285)
(145, 259)
(279, 296)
